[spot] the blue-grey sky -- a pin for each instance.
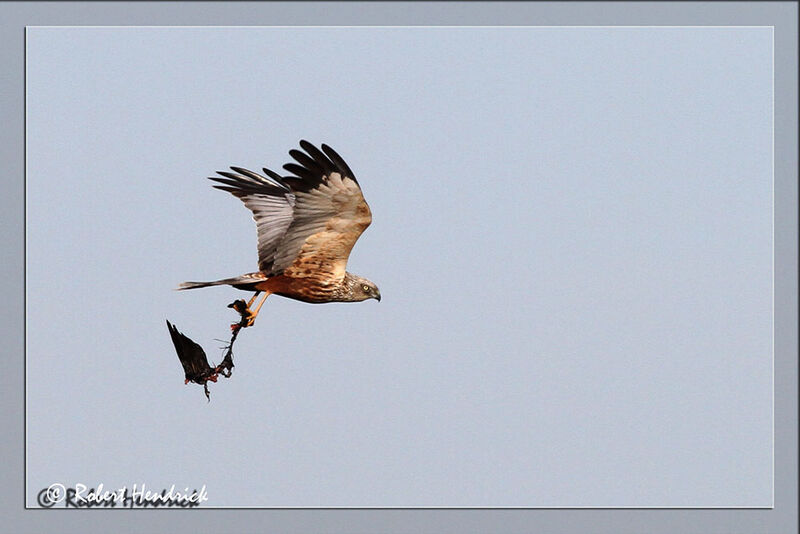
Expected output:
(572, 233)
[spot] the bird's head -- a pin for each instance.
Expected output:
(362, 289)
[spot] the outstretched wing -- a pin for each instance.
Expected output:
(192, 356)
(307, 223)
(271, 201)
(330, 214)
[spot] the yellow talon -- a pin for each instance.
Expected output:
(248, 315)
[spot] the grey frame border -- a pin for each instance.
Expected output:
(14, 16)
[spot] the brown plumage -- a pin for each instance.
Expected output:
(307, 225)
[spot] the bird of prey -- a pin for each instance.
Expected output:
(307, 224)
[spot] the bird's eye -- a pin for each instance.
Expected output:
(365, 288)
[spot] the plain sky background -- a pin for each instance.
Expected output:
(572, 233)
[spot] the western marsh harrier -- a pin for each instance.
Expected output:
(307, 225)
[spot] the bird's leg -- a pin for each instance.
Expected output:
(253, 299)
(244, 310)
(252, 318)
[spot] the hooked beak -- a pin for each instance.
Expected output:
(378, 296)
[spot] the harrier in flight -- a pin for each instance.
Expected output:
(307, 225)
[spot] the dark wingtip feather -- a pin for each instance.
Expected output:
(248, 173)
(320, 158)
(233, 177)
(240, 185)
(234, 182)
(338, 161)
(303, 172)
(304, 160)
(275, 176)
